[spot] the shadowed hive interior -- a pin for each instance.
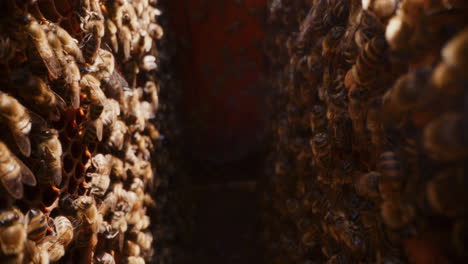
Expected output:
(281, 131)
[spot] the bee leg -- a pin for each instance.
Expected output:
(55, 189)
(84, 184)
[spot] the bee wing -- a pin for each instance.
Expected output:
(99, 128)
(55, 112)
(75, 94)
(23, 143)
(13, 186)
(37, 120)
(61, 104)
(50, 60)
(56, 172)
(27, 177)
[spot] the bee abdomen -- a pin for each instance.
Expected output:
(370, 58)
(37, 227)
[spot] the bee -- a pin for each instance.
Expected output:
(340, 10)
(118, 168)
(382, 8)
(134, 260)
(55, 43)
(354, 241)
(145, 145)
(93, 25)
(97, 100)
(108, 204)
(69, 44)
(119, 223)
(331, 40)
(322, 150)
(92, 6)
(64, 230)
(155, 31)
(87, 212)
(110, 113)
(112, 35)
(49, 150)
(148, 63)
(131, 248)
(125, 36)
(103, 66)
(443, 138)
(18, 120)
(399, 30)
(125, 15)
(454, 52)
(369, 59)
(12, 232)
(135, 113)
(54, 250)
(368, 185)
(37, 225)
(358, 97)
(117, 135)
(310, 238)
(447, 80)
(37, 93)
(106, 230)
(72, 78)
(445, 192)
(391, 172)
(104, 258)
(101, 163)
(369, 27)
(90, 132)
(408, 93)
(138, 42)
(33, 254)
(374, 126)
(318, 119)
(337, 95)
(7, 50)
(39, 38)
(396, 213)
(316, 23)
(115, 85)
(143, 223)
(99, 184)
(13, 173)
(100, 179)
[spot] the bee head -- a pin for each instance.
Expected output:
(9, 218)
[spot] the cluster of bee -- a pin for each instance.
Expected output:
(368, 122)
(78, 106)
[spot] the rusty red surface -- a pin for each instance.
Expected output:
(221, 72)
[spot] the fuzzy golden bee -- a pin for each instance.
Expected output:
(39, 38)
(13, 233)
(38, 94)
(16, 116)
(13, 173)
(443, 138)
(37, 225)
(64, 230)
(370, 59)
(49, 149)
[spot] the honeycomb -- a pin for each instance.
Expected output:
(79, 107)
(368, 155)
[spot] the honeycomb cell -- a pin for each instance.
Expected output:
(68, 163)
